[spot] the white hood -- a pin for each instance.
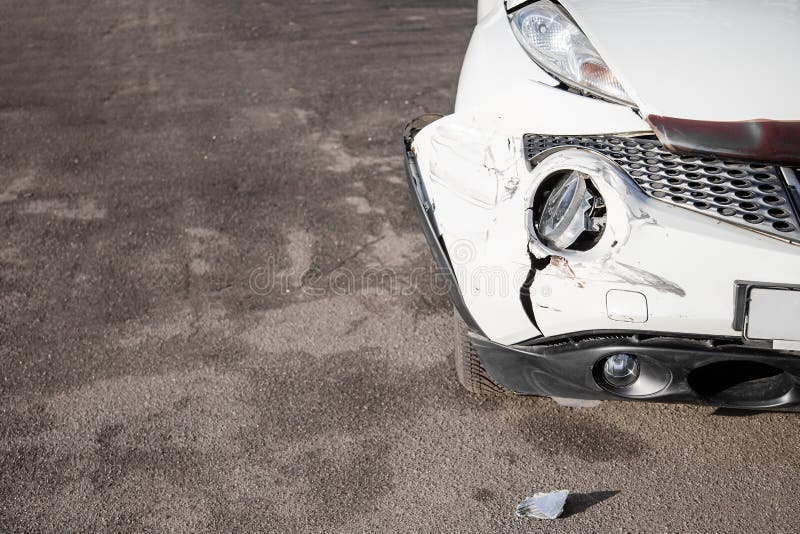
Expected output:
(724, 60)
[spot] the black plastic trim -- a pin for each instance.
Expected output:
(741, 295)
(519, 5)
(574, 337)
(424, 209)
(790, 180)
(570, 369)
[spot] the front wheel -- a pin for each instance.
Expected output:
(469, 369)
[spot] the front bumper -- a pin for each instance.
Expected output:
(713, 369)
(424, 209)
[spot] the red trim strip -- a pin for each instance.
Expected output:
(759, 140)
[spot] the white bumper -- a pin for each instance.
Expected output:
(684, 264)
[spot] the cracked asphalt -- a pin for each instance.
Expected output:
(190, 194)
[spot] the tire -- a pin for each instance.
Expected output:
(469, 370)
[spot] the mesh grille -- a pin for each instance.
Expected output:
(749, 194)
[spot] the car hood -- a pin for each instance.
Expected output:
(702, 60)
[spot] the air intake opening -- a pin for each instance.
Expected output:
(740, 382)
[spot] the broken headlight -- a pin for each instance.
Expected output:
(553, 40)
(568, 212)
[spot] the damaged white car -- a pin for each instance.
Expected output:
(614, 201)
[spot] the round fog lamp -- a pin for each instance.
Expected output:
(621, 370)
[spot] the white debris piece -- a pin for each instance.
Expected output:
(543, 505)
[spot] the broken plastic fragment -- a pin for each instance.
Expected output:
(576, 403)
(543, 505)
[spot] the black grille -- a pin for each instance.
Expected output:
(750, 194)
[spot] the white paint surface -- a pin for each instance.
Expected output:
(626, 306)
(774, 314)
(684, 264)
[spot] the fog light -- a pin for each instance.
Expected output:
(621, 370)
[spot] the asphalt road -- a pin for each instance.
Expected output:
(190, 194)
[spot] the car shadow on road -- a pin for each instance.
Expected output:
(734, 412)
(580, 502)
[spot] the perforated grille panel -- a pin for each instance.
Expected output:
(750, 194)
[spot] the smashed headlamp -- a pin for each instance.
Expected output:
(553, 40)
(568, 212)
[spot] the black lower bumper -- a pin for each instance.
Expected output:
(717, 372)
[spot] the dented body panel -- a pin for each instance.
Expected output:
(684, 263)
(657, 269)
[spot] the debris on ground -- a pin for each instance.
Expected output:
(543, 505)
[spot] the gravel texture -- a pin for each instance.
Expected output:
(160, 163)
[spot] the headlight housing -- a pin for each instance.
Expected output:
(553, 40)
(569, 213)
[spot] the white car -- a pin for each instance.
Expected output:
(614, 201)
